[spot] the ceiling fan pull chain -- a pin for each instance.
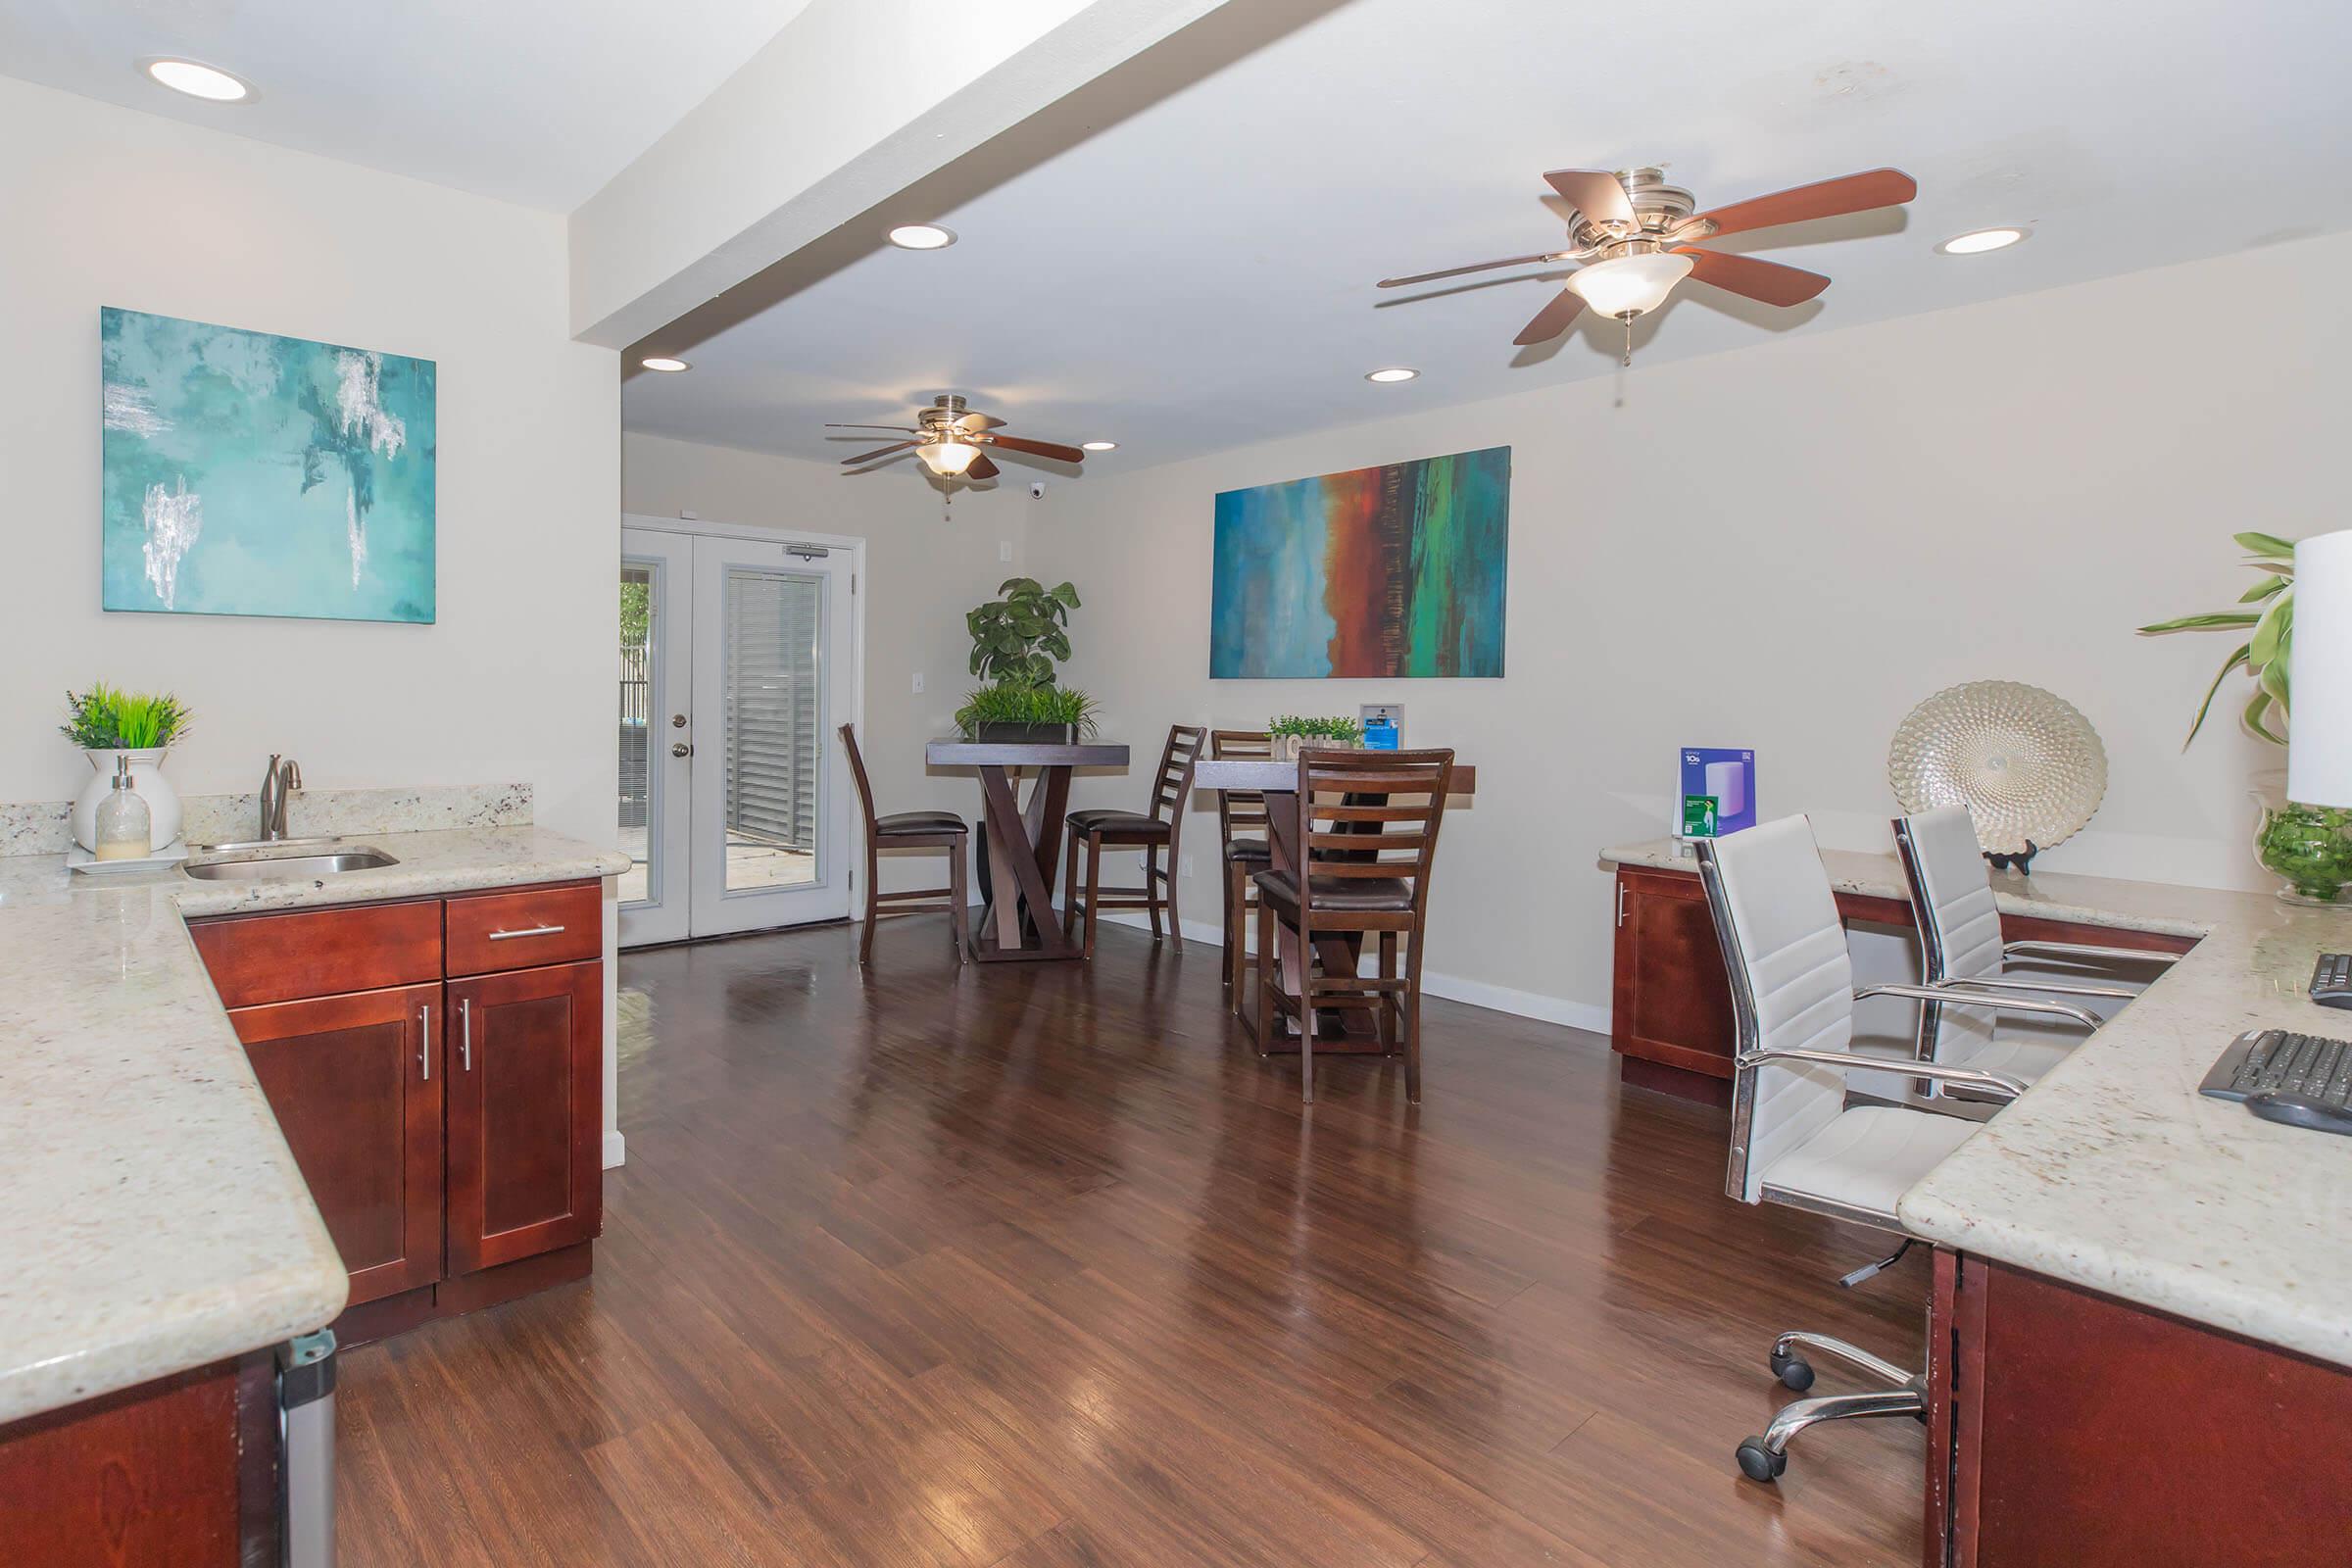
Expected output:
(1628, 363)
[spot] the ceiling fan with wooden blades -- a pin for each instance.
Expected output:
(951, 442)
(1635, 237)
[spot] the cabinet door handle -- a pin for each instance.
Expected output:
(1621, 903)
(424, 1041)
(465, 1032)
(530, 931)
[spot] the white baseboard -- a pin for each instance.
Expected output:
(1453, 987)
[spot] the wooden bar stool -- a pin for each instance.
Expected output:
(908, 830)
(1103, 828)
(1365, 873)
(1242, 824)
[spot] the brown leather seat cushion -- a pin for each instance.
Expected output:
(1117, 824)
(1358, 894)
(919, 822)
(1249, 850)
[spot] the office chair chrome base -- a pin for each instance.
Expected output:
(1764, 1458)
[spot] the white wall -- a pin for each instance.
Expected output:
(1786, 548)
(109, 207)
(923, 571)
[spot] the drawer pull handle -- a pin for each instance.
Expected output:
(424, 1043)
(530, 931)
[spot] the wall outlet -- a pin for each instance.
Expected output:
(1004, 550)
(918, 683)
(1184, 865)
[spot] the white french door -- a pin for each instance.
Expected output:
(750, 669)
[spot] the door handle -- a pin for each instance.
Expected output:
(424, 1041)
(465, 1032)
(681, 747)
(1621, 903)
(677, 721)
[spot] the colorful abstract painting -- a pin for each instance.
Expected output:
(1387, 571)
(247, 474)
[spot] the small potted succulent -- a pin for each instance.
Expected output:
(1026, 714)
(1293, 734)
(108, 723)
(2309, 846)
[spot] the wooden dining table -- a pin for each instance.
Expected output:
(1348, 1032)
(1022, 843)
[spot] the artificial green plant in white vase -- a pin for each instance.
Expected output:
(2309, 846)
(107, 724)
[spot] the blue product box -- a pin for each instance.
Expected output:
(1718, 792)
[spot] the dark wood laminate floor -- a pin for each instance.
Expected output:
(1039, 1266)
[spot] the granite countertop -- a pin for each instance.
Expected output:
(153, 1220)
(2112, 1172)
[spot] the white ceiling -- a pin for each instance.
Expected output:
(1200, 275)
(532, 101)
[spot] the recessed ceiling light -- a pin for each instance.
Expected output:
(208, 82)
(1099, 446)
(921, 237)
(1977, 241)
(665, 364)
(1394, 372)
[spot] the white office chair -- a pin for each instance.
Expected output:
(1794, 1141)
(1961, 954)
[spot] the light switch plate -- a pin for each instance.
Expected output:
(1004, 550)
(918, 683)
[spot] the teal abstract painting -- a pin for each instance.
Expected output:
(1391, 571)
(250, 474)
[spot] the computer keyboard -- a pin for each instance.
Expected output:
(2296, 1079)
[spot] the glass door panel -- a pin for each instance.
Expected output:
(655, 719)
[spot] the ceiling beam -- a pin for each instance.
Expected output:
(849, 104)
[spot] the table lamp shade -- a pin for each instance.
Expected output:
(2319, 751)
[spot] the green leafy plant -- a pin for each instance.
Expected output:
(1345, 732)
(1019, 636)
(105, 719)
(1026, 705)
(2264, 654)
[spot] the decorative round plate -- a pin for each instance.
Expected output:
(2024, 762)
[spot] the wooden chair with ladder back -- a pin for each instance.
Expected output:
(1105, 828)
(1365, 838)
(908, 830)
(1241, 825)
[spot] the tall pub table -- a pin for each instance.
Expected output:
(1023, 844)
(1348, 1033)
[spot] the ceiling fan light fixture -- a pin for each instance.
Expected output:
(1630, 286)
(946, 459)
(1977, 241)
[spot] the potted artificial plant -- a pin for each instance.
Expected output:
(2310, 847)
(1293, 734)
(109, 723)
(1018, 639)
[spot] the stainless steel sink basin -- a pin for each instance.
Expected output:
(265, 865)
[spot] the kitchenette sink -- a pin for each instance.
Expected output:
(298, 864)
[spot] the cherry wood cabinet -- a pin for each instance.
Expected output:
(525, 1129)
(447, 1113)
(179, 1473)
(357, 1083)
(2070, 1430)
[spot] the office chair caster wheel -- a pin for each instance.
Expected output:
(1794, 1372)
(1759, 1463)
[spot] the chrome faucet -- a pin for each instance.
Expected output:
(283, 774)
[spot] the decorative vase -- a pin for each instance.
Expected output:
(147, 782)
(2310, 846)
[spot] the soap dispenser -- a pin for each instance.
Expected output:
(125, 828)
